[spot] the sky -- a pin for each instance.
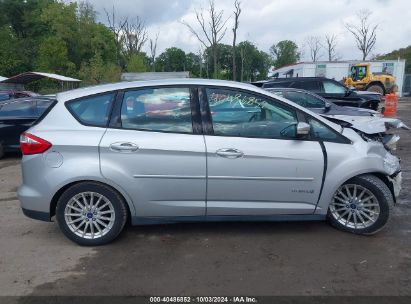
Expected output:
(265, 22)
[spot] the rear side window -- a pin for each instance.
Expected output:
(161, 110)
(281, 84)
(92, 110)
(309, 85)
(18, 109)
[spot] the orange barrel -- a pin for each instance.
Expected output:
(391, 102)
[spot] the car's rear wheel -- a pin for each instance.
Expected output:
(91, 214)
(362, 205)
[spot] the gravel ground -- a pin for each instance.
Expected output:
(305, 258)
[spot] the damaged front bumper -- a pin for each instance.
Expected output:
(396, 181)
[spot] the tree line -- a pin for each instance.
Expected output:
(65, 38)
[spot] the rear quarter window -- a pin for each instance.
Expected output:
(92, 110)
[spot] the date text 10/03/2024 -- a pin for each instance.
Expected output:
(239, 299)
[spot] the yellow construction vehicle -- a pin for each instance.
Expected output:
(362, 79)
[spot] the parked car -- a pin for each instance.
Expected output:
(16, 116)
(368, 123)
(12, 94)
(97, 160)
(320, 105)
(329, 89)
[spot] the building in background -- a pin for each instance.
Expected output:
(339, 69)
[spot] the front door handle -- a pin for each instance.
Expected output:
(229, 153)
(125, 147)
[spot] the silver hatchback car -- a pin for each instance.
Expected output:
(198, 150)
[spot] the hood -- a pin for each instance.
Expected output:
(367, 93)
(368, 124)
(348, 111)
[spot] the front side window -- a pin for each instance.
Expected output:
(17, 108)
(321, 132)
(331, 87)
(162, 110)
(305, 100)
(92, 110)
(243, 114)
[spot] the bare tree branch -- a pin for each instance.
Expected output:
(116, 26)
(330, 46)
(314, 45)
(135, 35)
(211, 31)
(130, 33)
(237, 12)
(365, 33)
(153, 51)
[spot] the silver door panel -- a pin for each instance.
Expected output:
(165, 176)
(271, 177)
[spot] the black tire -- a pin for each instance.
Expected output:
(384, 199)
(117, 202)
(376, 88)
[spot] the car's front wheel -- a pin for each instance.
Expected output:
(362, 205)
(91, 214)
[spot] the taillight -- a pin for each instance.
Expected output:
(30, 144)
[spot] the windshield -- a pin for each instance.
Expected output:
(358, 72)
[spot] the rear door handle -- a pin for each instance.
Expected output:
(125, 147)
(229, 153)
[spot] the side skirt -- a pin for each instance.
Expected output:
(136, 220)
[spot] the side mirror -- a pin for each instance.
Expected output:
(303, 129)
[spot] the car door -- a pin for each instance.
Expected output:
(256, 165)
(154, 150)
(15, 118)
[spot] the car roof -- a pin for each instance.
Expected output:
(77, 93)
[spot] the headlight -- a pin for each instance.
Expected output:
(391, 163)
(390, 141)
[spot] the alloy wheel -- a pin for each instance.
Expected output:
(354, 206)
(89, 215)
